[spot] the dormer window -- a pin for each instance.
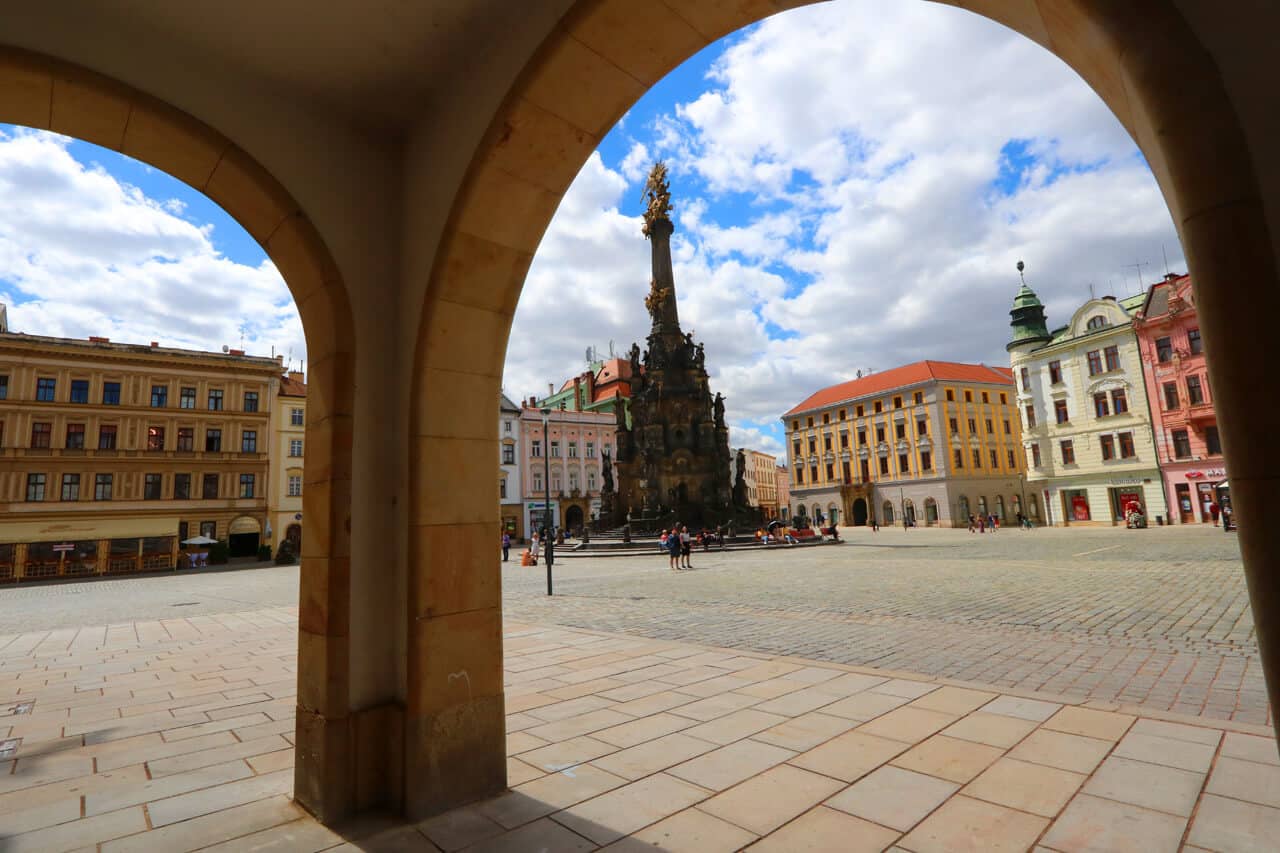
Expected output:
(1096, 322)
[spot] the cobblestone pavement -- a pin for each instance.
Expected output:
(177, 735)
(1157, 618)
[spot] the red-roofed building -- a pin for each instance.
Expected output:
(927, 443)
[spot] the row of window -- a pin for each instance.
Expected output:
(968, 397)
(1105, 404)
(42, 437)
(900, 432)
(878, 406)
(1164, 346)
(1108, 359)
(555, 482)
(47, 392)
(1196, 387)
(535, 449)
(152, 486)
(1181, 441)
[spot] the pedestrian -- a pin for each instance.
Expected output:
(875, 525)
(982, 522)
(1214, 509)
(994, 522)
(686, 546)
(673, 549)
(973, 523)
(506, 545)
(533, 547)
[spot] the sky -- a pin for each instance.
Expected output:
(95, 243)
(853, 185)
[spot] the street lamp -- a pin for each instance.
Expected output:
(546, 507)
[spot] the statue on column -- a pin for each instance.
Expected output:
(608, 470)
(740, 480)
(719, 410)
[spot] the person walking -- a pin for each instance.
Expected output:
(875, 525)
(973, 523)
(673, 549)
(533, 547)
(506, 545)
(982, 523)
(686, 546)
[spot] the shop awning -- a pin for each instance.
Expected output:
(73, 530)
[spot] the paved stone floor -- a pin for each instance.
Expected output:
(175, 734)
(1157, 618)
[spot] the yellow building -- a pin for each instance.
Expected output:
(284, 494)
(760, 476)
(111, 454)
(927, 443)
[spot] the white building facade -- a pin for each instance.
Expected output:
(1086, 425)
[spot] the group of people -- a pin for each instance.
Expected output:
(678, 543)
(982, 523)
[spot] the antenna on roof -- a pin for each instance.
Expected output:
(1137, 268)
(1165, 255)
(1091, 294)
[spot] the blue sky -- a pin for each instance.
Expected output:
(853, 183)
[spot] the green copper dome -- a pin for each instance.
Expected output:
(1028, 320)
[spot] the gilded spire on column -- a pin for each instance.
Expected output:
(658, 193)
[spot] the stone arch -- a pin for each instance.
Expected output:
(592, 66)
(40, 92)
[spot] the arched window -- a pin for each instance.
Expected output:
(1000, 507)
(909, 511)
(1017, 504)
(817, 514)
(965, 512)
(930, 511)
(1097, 321)
(982, 505)
(833, 515)
(888, 512)
(1033, 507)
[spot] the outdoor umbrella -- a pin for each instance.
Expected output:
(199, 540)
(773, 524)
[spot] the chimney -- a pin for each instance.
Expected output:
(155, 344)
(577, 390)
(235, 352)
(551, 388)
(296, 376)
(95, 339)
(591, 387)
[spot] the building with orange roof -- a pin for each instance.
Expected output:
(924, 444)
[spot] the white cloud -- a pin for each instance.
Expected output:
(836, 180)
(83, 254)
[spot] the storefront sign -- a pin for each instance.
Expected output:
(1212, 472)
(1080, 507)
(65, 546)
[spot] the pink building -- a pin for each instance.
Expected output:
(1183, 418)
(572, 452)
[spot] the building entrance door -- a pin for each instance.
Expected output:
(1186, 513)
(573, 517)
(1205, 492)
(860, 512)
